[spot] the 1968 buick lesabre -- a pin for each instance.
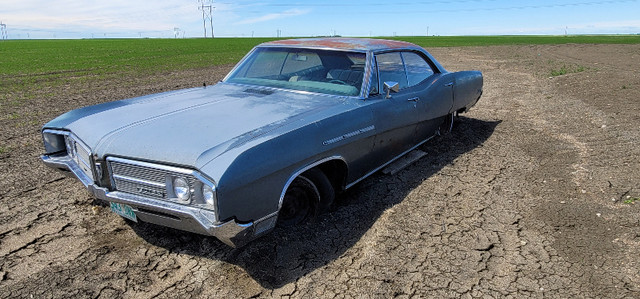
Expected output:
(294, 122)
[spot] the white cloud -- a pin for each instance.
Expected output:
(100, 16)
(274, 16)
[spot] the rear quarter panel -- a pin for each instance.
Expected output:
(467, 89)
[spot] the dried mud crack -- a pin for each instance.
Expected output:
(526, 198)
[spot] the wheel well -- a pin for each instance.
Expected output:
(336, 172)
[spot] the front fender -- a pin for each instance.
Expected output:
(256, 175)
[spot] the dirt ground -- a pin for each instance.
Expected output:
(530, 196)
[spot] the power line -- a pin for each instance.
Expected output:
(388, 11)
(386, 4)
(3, 31)
(207, 13)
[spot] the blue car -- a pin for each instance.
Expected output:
(293, 123)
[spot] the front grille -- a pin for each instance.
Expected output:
(134, 187)
(144, 179)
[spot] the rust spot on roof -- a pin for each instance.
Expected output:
(361, 44)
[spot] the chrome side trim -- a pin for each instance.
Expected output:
(349, 135)
(303, 169)
(389, 162)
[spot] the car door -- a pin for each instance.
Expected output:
(431, 90)
(396, 118)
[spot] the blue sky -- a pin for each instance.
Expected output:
(158, 18)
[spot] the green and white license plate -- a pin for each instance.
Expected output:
(124, 210)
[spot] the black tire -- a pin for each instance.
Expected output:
(307, 196)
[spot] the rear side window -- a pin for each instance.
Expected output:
(417, 68)
(390, 68)
(406, 68)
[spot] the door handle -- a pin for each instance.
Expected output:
(448, 84)
(415, 99)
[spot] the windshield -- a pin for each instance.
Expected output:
(321, 71)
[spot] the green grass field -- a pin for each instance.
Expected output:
(43, 57)
(27, 63)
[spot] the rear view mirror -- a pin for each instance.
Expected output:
(299, 57)
(390, 86)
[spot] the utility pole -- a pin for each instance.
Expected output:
(3, 31)
(207, 13)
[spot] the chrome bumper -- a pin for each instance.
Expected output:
(166, 213)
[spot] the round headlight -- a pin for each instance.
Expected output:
(181, 188)
(208, 195)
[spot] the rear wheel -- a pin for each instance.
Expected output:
(308, 195)
(447, 125)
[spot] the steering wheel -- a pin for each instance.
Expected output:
(336, 81)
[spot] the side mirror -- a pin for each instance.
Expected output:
(390, 86)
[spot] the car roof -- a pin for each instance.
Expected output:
(343, 43)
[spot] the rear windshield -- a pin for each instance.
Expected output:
(320, 71)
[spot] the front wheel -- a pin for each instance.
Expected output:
(306, 196)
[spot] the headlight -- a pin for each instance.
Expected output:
(181, 188)
(208, 195)
(53, 141)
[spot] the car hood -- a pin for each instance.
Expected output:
(180, 127)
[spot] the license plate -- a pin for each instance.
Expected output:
(124, 210)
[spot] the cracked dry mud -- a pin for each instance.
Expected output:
(526, 198)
